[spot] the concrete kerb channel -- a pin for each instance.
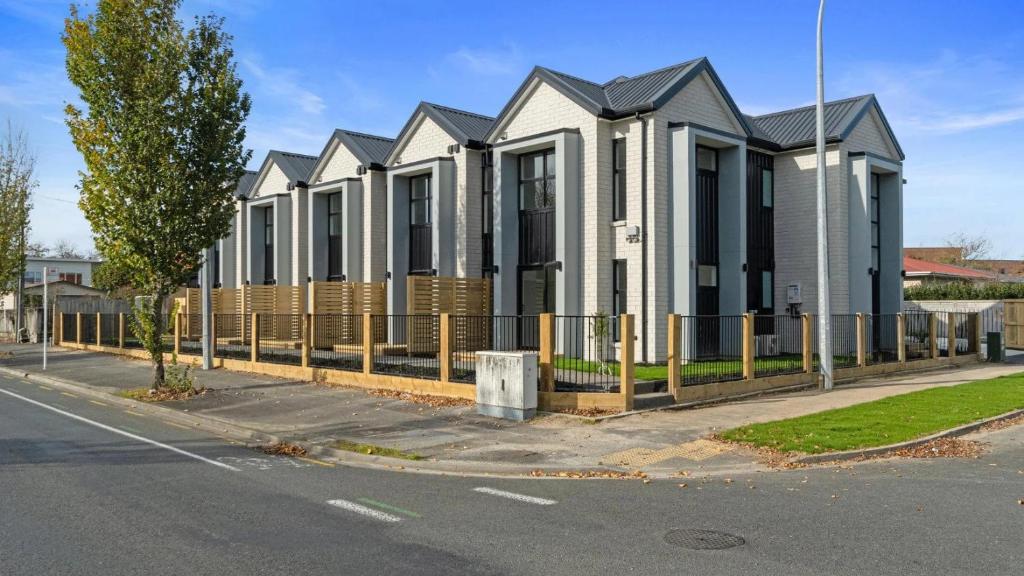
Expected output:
(254, 439)
(837, 457)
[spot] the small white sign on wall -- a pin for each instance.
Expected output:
(793, 294)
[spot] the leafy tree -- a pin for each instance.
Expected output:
(17, 180)
(161, 134)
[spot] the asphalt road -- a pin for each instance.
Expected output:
(88, 488)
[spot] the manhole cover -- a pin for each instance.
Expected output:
(703, 539)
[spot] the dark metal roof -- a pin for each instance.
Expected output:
(797, 126)
(625, 95)
(295, 166)
(369, 149)
(469, 127)
(245, 183)
(466, 128)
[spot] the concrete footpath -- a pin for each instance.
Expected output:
(454, 439)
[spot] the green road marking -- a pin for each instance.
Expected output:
(388, 507)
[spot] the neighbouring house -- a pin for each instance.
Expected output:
(654, 194)
(435, 198)
(923, 272)
(63, 271)
(347, 211)
(1003, 270)
(272, 239)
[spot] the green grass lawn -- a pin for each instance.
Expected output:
(889, 420)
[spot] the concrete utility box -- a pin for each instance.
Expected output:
(506, 384)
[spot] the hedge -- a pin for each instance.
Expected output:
(963, 291)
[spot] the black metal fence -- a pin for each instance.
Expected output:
(585, 355)
(233, 336)
(882, 334)
(472, 334)
(280, 338)
(778, 345)
(407, 345)
(69, 328)
(167, 337)
(88, 329)
(192, 334)
(337, 342)
(916, 335)
(110, 329)
(711, 349)
(965, 330)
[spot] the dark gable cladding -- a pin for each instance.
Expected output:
(242, 189)
(793, 129)
(466, 128)
(625, 96)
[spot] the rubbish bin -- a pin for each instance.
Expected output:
(994, 348)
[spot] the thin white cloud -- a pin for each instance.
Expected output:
(488, 62)
(283, 85)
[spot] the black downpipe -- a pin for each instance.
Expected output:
(643, 235)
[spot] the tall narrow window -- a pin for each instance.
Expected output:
(420, 233)
(334, 253)
(268, 245)
(618, 295)
(875, 250)
(767, 189)
(216, 264)
(537, 208)
(619, 179)
(487, 213)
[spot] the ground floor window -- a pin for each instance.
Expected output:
(536, 290)
(618, 295)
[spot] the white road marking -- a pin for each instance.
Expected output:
(365, 511)
(121, 432)
(261, 463)
(514, 496)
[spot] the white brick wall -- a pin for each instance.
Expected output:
(426, 140)
(375, 226)
(300, 236)
(870, 136)
(275, 182)
(341, 164)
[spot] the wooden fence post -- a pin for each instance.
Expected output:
(307, 328)
(78, 327)
(951, 334)
(368, 343)
(547, 352)
(675, 348)
(99, 325)
(748, 346)
(933, 335)
(177, 334)
(445, 351)
(120, 330)
(901, 338)
(807, 332)
(254, 329)
(213, 335)
(627, 369)
(861, 335)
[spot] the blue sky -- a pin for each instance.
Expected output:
(949, 75)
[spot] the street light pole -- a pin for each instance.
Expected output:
(824, 310)
(206, 286)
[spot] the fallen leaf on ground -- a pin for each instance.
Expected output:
(283, 449)
(427, 399)
(580, 474)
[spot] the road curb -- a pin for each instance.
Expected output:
(848, 455)
(254, 438)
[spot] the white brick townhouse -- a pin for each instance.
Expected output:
(646, 195)
(653, 194)
(435, 198)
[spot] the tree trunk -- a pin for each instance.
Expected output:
(157, 354)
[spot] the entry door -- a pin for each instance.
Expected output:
(536, 296)
(876, 300)
(707, 250)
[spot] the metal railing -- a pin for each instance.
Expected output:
(881, 335)
(69, 328)
(110, 329)
(337, 341)
(88, 335)
(472, 334)
(778, 345)
(407, 345)
(964, 332)
(280, 338)
(585, 355)
(711, 349)
(233, 336)
(192, 334)
(917, 335)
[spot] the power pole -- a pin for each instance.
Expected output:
(824, 308)
(19, 305)
(206, 286)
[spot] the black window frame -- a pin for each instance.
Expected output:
(216, 264)
(620, 301)
(487, 212)
(547, 157)
(619, 179)
(335, 252)
(419, 262)
(269, 261)
(874, 209)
